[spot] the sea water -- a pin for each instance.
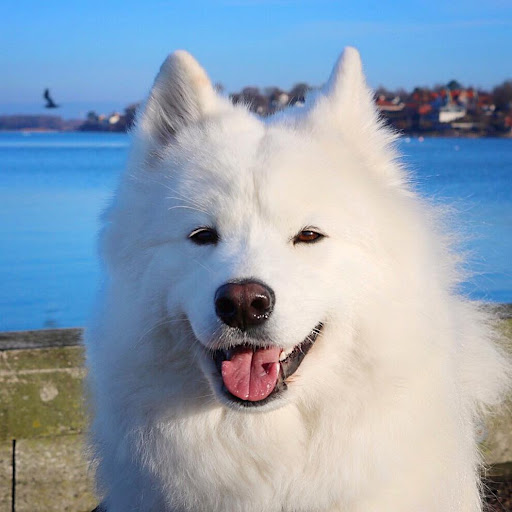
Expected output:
(54, 186)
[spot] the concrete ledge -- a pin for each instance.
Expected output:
(44, 338)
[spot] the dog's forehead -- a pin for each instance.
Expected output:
(218, 150)
(252, 161)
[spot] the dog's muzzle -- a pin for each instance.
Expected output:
(254, 375)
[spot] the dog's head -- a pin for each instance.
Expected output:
(257, 235)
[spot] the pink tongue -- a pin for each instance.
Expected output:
(251, 375)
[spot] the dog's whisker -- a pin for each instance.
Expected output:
(185, 207)
(192, 204)
(161, 323)
(203, 265)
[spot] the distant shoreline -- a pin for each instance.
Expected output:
(449, 134)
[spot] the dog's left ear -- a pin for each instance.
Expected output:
(346, 95)
(182, 94)
(346, 106)
(346, 86)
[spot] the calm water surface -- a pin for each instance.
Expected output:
(53, 188)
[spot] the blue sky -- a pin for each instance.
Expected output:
(104, 54)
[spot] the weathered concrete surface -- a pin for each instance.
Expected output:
(41, 392)
(42, 407)
(51, 475)
(497, 447)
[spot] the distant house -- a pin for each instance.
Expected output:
(485, 103)
(396, 111)
(390, 105)
(114, 118)
(451, 112)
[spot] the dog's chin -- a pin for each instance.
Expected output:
(289, 362)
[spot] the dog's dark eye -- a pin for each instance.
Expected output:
(307, 236)
(204, 236)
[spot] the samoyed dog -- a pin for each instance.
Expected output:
(280, 328)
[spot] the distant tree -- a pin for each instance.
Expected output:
(91, 123)
(251, 92)
(219, 87)
(272, 91)
(402, 93)
(382, 91)
(298, 92)
(24, 122)
(92, 117)
(502, 96)
(252, 97)
(391, 94)
(277, 98)
(129, 115)
(453, 85)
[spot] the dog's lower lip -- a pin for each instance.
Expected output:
(288, 367)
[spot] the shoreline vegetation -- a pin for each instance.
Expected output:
(443, 110)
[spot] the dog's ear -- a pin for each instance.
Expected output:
(346, 93)
(182, 94)
(346, 106)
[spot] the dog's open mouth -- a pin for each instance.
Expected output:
(252, 376)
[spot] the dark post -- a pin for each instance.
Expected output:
(13, 489)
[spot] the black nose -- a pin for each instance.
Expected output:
(244, 304)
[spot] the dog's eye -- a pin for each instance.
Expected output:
(307, 236)
(204, 236)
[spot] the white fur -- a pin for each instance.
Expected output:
(381, 414)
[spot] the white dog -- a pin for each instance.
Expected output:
(280, 329)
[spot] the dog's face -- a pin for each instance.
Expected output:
(257, 234)
(258, 252)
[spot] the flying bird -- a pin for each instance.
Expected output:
(49, 101)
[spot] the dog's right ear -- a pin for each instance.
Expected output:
(182, 94)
